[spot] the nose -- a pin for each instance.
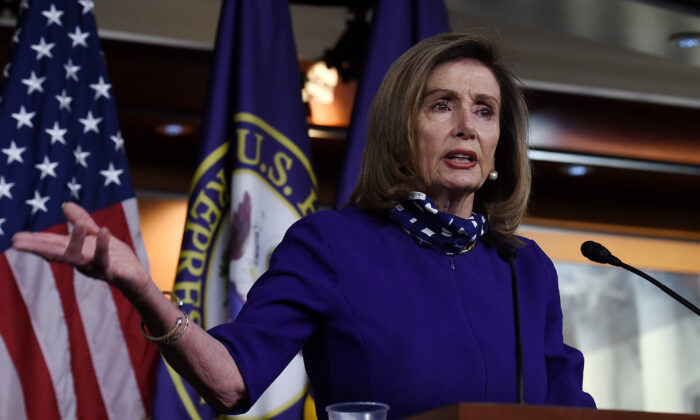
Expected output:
(464, 125)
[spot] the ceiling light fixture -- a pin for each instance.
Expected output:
(331, 81)
(576, 170)
(174, 129)
(321, 80)
(685, 39)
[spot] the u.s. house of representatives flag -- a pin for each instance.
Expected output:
(70, 346)
(396, 26)
(253, 181)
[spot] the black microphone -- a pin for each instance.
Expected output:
(507, 252)
(598, 253)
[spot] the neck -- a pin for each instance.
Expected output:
(460, 205)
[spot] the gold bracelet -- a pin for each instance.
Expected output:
(184, 330)
(170, 336)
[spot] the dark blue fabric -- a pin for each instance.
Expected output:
(382, 319)
(396, 26)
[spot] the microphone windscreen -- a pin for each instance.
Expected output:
(507, 251)
(595, 252)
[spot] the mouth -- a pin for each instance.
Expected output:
(461, 156)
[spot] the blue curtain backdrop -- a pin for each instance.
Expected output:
(396, 26)
(253, 181)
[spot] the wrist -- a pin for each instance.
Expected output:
(140, 290)
(177, 331)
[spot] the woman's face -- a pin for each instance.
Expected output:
(458, 127)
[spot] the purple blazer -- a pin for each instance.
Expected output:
(380, 318)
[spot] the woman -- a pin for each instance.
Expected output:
(399, 297)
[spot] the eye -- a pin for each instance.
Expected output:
(485, 111)
(440, 105)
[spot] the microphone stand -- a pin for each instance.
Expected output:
(507, 252)
(663, 287)
(518, 343)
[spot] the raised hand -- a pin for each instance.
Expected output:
(89, 248)
(200, 358)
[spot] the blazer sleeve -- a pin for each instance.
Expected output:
(564, 363)
(283, 307)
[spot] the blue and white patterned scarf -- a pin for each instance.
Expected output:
(443, 232)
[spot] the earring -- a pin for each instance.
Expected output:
(493, 175)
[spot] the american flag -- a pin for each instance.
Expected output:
(70, 346)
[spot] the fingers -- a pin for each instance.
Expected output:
(48, 245)
(102, 249)
(78, 215)
(74, 250)
(80, 248)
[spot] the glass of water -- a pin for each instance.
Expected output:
(362, 410)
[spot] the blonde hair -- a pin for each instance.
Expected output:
(389, 168)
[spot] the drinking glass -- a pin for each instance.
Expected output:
(362, 410)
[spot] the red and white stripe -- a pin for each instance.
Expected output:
(70, 346)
